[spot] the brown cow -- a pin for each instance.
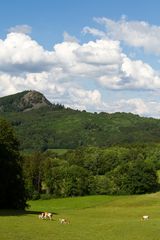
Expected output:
(45, 215)
(48, 215)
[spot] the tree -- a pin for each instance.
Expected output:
(135, 177)
(12, 189)
(33, 174)
(76, 181)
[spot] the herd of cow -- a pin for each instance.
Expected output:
(47, 215)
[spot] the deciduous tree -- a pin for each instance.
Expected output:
(12, 191)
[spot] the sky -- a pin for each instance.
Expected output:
(98, 56)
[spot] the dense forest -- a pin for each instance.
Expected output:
(92, 170)
(66, 128)
(53, 126)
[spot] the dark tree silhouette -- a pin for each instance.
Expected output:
(12, 191)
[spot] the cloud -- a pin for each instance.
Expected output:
(100, 52)
(65, 73)
(134, 105)
(95, 32)
(26, 29)
(85, 98)
(19, 53)
(133, 75)
(68, 38)
(102, 61)
(134, 33)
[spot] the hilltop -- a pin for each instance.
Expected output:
(41, 125)
(23, 101)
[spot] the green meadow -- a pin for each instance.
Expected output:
(91, 217)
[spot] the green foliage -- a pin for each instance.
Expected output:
(92, 170)
(11, 182)
(33, 174)
(76, 181)
(134, 178)
(60, 128)
(109, 155)
(119, 170)
(52, 126)
(11, 103)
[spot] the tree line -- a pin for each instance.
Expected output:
(128, 169)
(87, 171)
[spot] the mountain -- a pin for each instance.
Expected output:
(23, 101)
(41, 125)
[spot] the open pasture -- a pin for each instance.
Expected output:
(91, 218)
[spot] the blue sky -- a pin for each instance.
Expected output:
(96, 55)
(50, 18)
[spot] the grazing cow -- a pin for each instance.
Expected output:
(146, 217)
(47, 215)
(41, 216)
(64, 221)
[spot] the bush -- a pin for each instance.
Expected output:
(35, 195)
(46, 196)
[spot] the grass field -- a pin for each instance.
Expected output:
(58, 151)
(93, 217)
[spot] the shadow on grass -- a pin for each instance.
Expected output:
(11, 212)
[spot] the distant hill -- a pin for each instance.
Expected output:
(41, 125)
(23, 101)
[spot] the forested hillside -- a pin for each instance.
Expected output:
(53, 126)
(102, 153)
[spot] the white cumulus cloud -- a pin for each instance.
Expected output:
(19, 53)
(65, 73)
(134, 33)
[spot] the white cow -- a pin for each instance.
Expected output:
(41, 216)
(64, 221)
(45, 215)
(48, 215)
(145, 217)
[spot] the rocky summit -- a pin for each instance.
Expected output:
(23, 101)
